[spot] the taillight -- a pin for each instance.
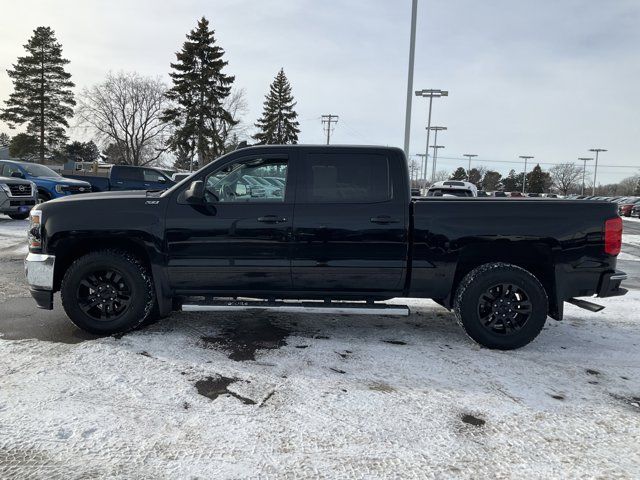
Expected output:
(613, 236)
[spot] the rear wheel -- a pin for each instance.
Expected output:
(501, 306)
(107, 292)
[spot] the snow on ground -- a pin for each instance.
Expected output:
(292, 396)
(631, 239)
(13, 236)
(335, 397)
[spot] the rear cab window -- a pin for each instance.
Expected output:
(345, 177)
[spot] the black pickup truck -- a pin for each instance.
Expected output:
(342, 235)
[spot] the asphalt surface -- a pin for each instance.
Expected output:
(20, 319)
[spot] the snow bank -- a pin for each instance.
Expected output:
(334, 397)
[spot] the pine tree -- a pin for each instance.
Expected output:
(200, 87)
(459, 174)
(42, 96)
(278, 123)
(23, 146)
(538, 181)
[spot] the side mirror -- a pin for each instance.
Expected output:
(162, 179)
(17, 175)
(195, 193)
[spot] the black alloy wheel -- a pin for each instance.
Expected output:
(103, 294)
(504, 308)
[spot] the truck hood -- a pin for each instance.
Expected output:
(103, 196)
(14, 181)
(64, 180)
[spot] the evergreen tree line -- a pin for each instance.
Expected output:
(138, 120)
(564, 178)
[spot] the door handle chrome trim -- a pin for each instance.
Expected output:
(383, 220)
(272, 219)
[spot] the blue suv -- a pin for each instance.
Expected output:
(50, 184)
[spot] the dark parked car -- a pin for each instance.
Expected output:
(624, 208)
(124, 177)
(500, 194)
(345, 228)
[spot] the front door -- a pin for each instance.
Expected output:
(240, 240)
(351, 223)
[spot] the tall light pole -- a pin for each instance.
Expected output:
(595, 172)
(412, 58)
(435, 156)
(470, 156)
(429, 93)
(435, 147)
(526, 158)
(419, 175)
(584, 170)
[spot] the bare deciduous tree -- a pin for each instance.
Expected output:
(442, 175)
(126, 110)
(565, 176)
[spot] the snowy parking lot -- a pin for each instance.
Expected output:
(292, 396)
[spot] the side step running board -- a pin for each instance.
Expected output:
(592, 307)
(335, 308)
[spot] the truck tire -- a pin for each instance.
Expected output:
(501, 306)
(107, 292)
(19, 216)
(43, 197)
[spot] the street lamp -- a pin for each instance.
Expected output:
(584, 169)
(524, 178)
(430, 93)
(419, 175)
(595, 172)
(436, 147)
(469, 156)
(435, 156)
(412, 57)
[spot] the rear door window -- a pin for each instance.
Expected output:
(346, 178)
(130, 174)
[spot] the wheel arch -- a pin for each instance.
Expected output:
(535, 257)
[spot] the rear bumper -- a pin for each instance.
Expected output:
(610, 284)
(39, 270)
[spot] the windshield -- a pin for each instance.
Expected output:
(36, 170)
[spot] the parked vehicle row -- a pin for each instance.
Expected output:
(49, 183)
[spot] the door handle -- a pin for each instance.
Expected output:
(383, 220)
(272, 219)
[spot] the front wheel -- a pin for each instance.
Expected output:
(107, 292)
(19, 216)
(501, 306)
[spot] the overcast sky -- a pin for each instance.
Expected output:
(549, 78)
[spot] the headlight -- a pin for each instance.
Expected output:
(5, 187)
(35, 230)
(60, 188)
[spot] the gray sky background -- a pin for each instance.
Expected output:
(550, 78)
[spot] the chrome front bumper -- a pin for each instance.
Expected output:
(39, 270)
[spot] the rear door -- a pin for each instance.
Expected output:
(350, 221)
